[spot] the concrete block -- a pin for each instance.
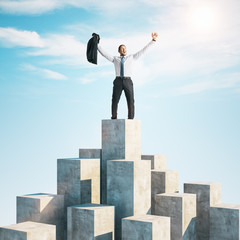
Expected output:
(91, 221)
(28, 231)
(79, 181)
(121, 139)
(158, 162)
(90, 153)
(208, 194)
(128, 189)
(42, 208)
(224, 222)
(147, 227)
(163, 182)
(182, 210)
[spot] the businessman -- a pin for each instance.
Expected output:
(123, 69)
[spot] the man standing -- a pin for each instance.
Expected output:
(123, 70)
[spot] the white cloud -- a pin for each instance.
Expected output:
(42, 6)
(46, 73)
(12, 37)
(231, 80)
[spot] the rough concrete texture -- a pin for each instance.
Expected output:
(158, 162)
(146, 227)
(163, 182)
(28, 231)
(128, 189)
(79, 181)
(208, 194)
(121, 139)
(90, 153)
(182, 210)
(91, 221)
(224, 222)
(42, 208)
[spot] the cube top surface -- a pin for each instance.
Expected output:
(29, 226)
(227, 206)
(164, 171)
(146, 218)
(40, 195)
(77, 159)
(119, 120)
(89, 206)
(177, 195)
(203, 183)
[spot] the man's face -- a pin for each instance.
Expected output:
(123, 50)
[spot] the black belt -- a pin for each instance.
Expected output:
(124, 78)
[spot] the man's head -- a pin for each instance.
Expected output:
(122, 50)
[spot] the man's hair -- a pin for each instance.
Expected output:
(120, 46)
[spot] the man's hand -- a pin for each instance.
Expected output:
(154, 36)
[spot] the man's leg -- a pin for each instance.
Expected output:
(128, 90)
(117, 91)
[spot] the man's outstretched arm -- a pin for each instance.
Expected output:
(104, 54)
(141, 52)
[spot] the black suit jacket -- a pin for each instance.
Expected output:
(92, 48)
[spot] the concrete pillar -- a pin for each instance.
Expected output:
(91, 221)
(121, 139)
(163, 182)
(158, 162)
(208, 194)
(128, 189)
(182, 210)
(147, 227)
(42, 208)
(225, 222)
(79, 181)
(28, 231)
(90, 153)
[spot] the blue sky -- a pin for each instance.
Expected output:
(52, 101)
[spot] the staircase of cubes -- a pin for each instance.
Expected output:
(117, 193)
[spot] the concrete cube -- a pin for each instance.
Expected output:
(79, 181)
(90, 153)
(28, 231)
(182, 210)
(163, 182)
(128, 189)
(42, 208)
(147, 227)
(121, 139)
(208, 194)
(158, 162)
(224, 222)
(91, 221)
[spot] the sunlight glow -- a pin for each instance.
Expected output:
(204, 19)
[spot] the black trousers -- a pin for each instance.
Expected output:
(123, 84)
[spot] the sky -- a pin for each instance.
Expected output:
(52, 100)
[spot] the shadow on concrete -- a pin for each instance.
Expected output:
(106, 236)
(190, 233)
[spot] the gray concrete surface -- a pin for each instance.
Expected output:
(79, 181)
(146, 227)
(163, 182)
(158, 162)
(208, 194)
(42, 208)
(90, 153)
(128, 189)
(121, 139)
(181, 207)
(224, 222)
(91, 221)
(28, 231)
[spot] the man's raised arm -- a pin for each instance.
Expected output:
(104, 54)
(141, 52)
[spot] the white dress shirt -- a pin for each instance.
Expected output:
(128, 62)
